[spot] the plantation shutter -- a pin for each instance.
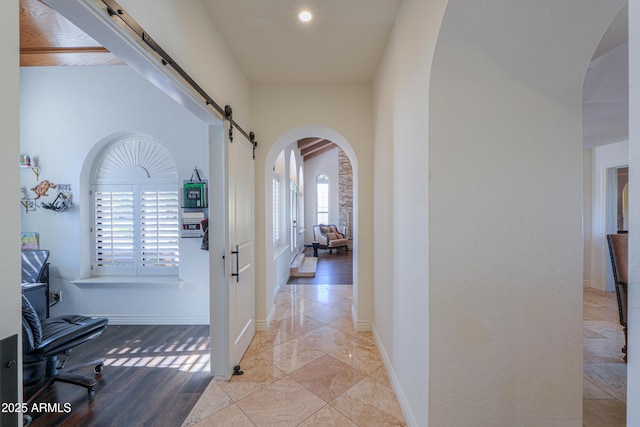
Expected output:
(114, 228)
(136, 210)
(159, 239)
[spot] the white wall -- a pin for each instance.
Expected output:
(326, 164)
(67, 115)
(186, 31)
(10, 218)
(505, 163)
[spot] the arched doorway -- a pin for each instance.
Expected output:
(271, 162)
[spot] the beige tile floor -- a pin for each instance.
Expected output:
(605, 373)
(311, 368)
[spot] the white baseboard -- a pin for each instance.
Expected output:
(360, 325)
(590, 284)
(364, 326)
(400, 395)
(262, 325)
(593, 284)
(117, 319)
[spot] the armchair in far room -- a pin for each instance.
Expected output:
(329, 237)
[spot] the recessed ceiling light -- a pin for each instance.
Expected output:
(305, 16)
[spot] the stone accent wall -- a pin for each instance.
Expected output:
(345, 192)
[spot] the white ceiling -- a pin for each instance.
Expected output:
(616, 34)
(345, 40)
(605, 99)
(342, 44)
(605, 93)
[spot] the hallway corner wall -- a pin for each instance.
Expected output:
(401, 204)
(506, 155)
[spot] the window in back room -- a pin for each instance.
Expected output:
(135, 210)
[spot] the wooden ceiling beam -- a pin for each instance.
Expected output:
(306, 142)
(319, 152)
(315, 147)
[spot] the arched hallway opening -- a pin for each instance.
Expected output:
(293, 157)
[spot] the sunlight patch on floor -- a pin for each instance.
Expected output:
(190, 354)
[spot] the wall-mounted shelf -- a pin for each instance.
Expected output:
(29, 204)
(35, 169)
(194, 204)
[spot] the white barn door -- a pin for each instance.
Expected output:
(241, 278)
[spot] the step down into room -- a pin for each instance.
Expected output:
(303, 266)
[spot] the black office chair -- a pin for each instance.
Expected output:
(44, 341)
(35, 279)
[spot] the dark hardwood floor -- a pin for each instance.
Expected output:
(332, 269)
(153, 376)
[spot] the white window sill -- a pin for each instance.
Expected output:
(130, 282)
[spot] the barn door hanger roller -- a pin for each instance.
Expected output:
(228, 114)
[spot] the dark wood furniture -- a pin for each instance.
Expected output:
(315, 246)
(619, 252)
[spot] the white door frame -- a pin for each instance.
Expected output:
(606, 157)
(92, 18)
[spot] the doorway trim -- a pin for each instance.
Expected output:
(604, 158)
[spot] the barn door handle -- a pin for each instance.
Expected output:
(237, 273)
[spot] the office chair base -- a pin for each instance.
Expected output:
(70, 377)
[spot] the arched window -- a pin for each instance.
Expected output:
(279, 168)
(301, 189)
(135, 210)
(322, 205)
(276, 206)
